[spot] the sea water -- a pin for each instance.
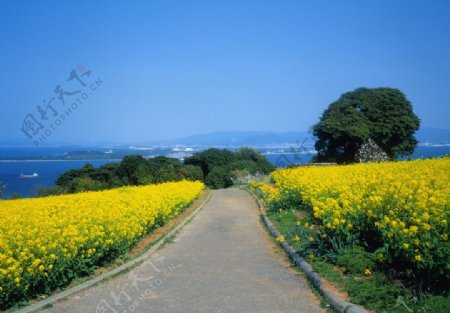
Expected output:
(48, 171)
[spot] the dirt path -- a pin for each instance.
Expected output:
(223, 261)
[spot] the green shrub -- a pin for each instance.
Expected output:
(218, 178)
(356, 260)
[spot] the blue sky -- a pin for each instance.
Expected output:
(175, 68)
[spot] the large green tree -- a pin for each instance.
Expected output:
(383, 114)
(218, 165)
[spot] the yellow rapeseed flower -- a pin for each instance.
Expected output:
(403, 204)
(37, 233)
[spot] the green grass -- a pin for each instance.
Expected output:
(375, 292)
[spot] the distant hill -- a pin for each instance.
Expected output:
(255, 138)
(236, 138)
(225, 138)
(16, 143)
(232, 138)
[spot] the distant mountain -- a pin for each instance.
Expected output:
(433, 135)
(255, 138)
(25, 143)
(230, 138)
(242, 138)
(16, 143)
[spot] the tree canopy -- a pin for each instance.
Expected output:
(382, 114)
(133, 170)
(220, 165)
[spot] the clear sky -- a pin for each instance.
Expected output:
(175, 68)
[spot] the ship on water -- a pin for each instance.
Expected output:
(34, 175)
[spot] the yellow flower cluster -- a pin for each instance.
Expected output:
(266, 193)
(45, 242)
(404, 205)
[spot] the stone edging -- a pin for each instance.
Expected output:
(336, 302)
(116, 271)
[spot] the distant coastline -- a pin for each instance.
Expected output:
(433, 145)
(49, 163)
(424, 149)
(57, 160)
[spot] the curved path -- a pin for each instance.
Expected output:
(222, 261)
